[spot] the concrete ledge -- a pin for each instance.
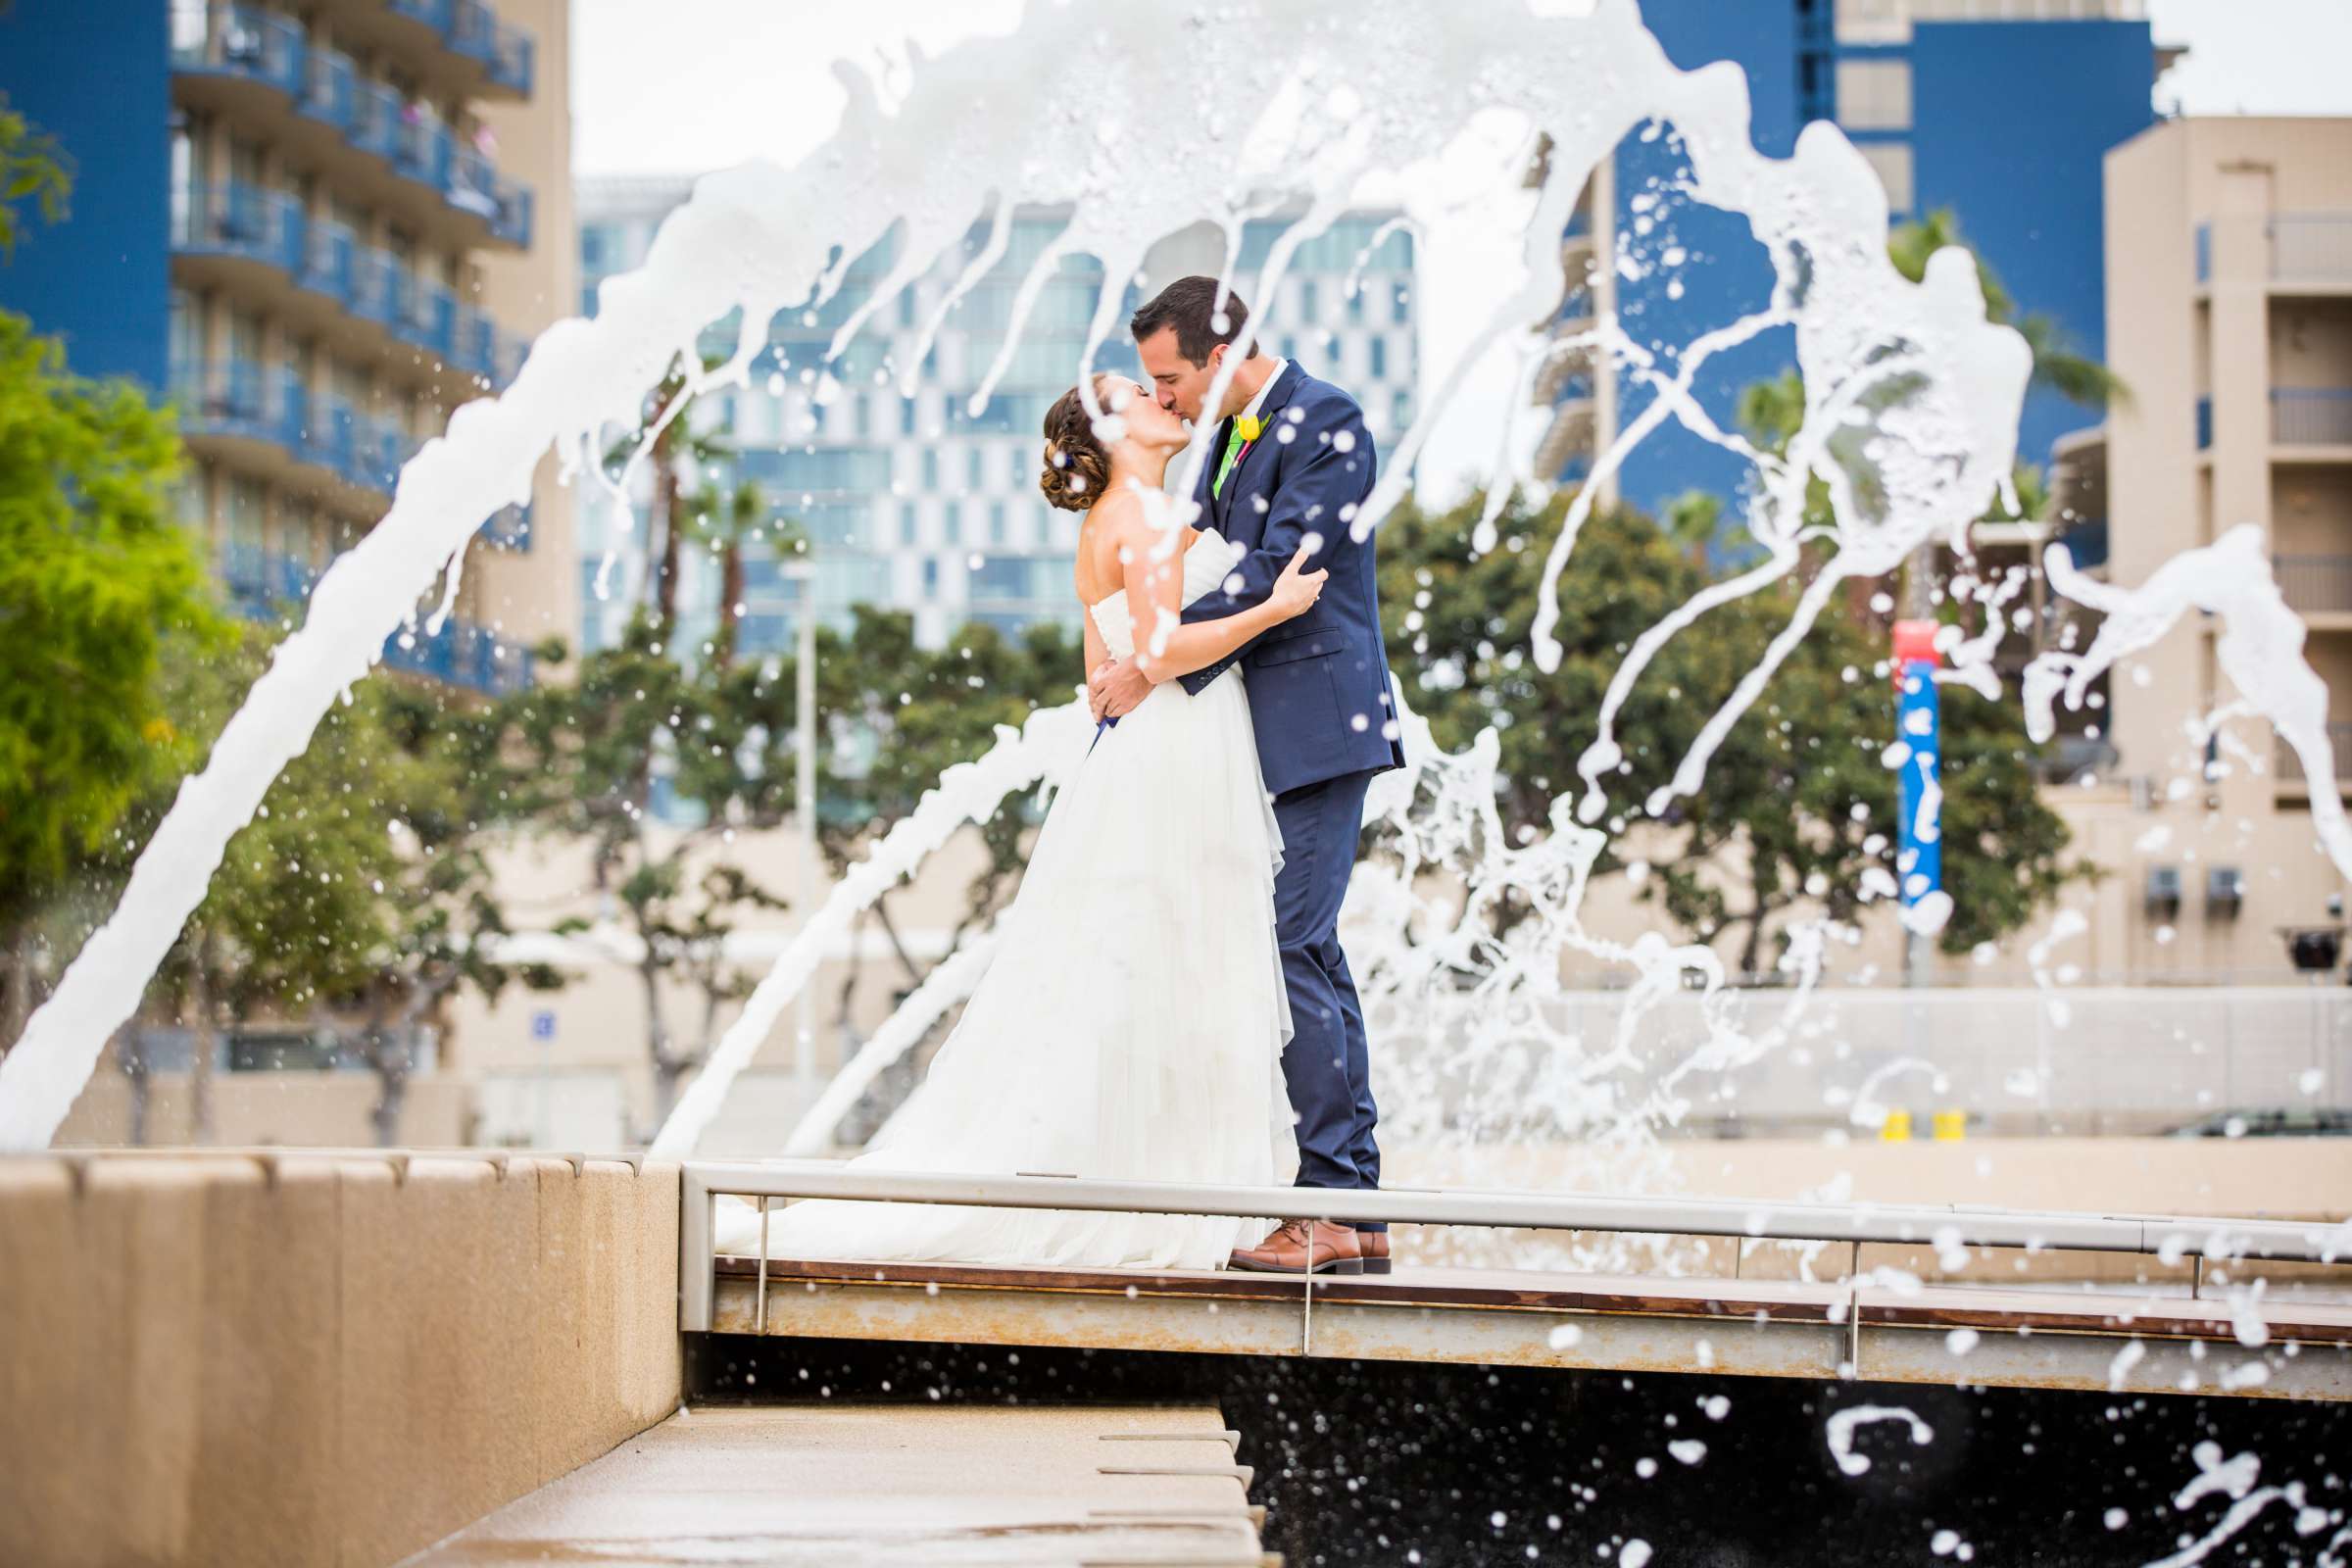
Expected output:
(277, 1357)
(1084, 1487)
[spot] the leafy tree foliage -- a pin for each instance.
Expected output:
(1797, 806)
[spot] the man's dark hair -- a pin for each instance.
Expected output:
(1190, 306)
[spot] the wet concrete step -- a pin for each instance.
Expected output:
(1095, 1487)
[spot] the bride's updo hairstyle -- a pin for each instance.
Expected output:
(1077, 464)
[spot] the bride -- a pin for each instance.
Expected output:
(1132, 1022)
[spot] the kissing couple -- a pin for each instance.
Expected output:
(1168, 1000)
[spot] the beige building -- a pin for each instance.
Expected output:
(370, 219)
(2229, 318)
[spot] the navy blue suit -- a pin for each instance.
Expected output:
(1320, 703)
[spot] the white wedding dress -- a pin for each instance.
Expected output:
(1132, 1022)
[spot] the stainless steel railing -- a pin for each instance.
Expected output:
(703, 1183)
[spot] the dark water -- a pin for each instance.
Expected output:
(1376, 1463)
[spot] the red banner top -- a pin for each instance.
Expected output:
(1914, 643)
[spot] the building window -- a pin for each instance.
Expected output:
(1380, 358)
(907, 522)
(973, 470)
(865, 418)
(186, 329)
(907, 417)
(247, 504)
(1401, 308)
(1306, 301)
(950, 525)
(1355, 303)
(1874, 94)
(996, 522)
(931, 469)
(1892, 162)
(930, 576)
(1401, 419)
(1873, 21)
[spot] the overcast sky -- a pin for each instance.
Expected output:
(693, 84)
(689, 85)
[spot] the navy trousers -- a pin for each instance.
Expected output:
(1326, 1063)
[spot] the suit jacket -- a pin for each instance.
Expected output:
(1320, 697)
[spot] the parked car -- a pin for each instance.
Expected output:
(2303, 1121)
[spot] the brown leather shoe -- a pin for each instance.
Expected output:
(1302, 1246)
(1374, 1244)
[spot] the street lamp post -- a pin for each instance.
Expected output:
(803, 1051)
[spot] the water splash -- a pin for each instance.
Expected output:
(1843, 1424)
(2260, 650)
(1305, 105)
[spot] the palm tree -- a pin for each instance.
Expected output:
(724, 523)
(2057, 366)
(676, 448)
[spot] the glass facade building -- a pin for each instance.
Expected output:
(924, 502)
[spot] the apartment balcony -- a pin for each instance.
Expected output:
(265, 586)
(248, 54)
(507, 54)
(239, 405)
(2316, 587)
(262, 69)
(2288, 766)
(1565, 376)
(460, 653)
(458, 46)
(239, 229)
(256, 242)
(2312, 252)
(509, 528)
(477, 348)
(2086, 540)
(2311, 417)
(267, 423)
(1566, 448)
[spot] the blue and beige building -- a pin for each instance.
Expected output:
(919, 501)
(1998, 111)
(316, 228)
(2229, 318)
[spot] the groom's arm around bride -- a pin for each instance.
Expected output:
(1291, 463)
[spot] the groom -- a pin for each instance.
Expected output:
(1291, 462)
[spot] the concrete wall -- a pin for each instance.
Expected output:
(316, 1358)
(534, 594)
(282, 1109)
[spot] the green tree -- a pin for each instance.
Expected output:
(32, 167)
(358, 900)
(916, 712)
(96, 578)
(726, 522)
(1797, 805)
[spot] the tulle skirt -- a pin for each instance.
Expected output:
(1130, 1026)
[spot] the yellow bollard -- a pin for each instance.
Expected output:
(1951, 1126)
(1897, 1128)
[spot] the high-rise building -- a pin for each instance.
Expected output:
(920, 503)
(1998, 111)
(318, 228)
(2229, 315)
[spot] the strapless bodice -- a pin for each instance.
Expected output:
(1206, 560)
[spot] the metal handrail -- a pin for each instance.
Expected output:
(703, 1182)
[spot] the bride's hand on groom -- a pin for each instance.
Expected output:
(1116, 689)
(1295, 591)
